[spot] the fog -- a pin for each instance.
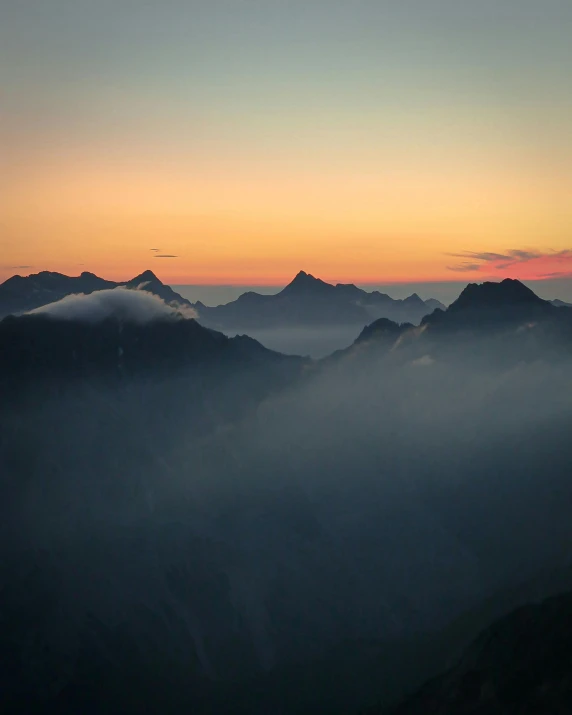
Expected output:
(313, 342)
(137, 306)
(375, 500)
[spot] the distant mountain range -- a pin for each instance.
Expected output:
(306, 301)
(485, 310)
(310, 302)
(21, 294)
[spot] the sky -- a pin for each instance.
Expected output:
(238, 141)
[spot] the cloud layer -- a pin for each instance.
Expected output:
(136, 306)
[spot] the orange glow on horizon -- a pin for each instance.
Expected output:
(234, 222)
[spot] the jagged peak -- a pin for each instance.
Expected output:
(305, 282)
(380, 327)
(146, 276)
(413, 298)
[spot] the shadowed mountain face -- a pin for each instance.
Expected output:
(488, 305)
(520, 665)
(490, 323)
(40, 353)
(309, 301)
(22, 294)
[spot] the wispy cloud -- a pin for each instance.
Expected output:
(156, 250)
(526, 263)
(557, 274)
(164, 255)
(466, 267)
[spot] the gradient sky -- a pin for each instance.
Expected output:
(370, 141)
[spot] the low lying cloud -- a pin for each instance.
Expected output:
(517, 262)
(164, 255)
(137, 306)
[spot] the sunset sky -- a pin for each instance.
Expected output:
(238, 141)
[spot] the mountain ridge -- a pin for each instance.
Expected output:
(508, 313)
(308, 301)
(21, 294)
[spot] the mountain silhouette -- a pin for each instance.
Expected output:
(305, 283)
(39, 348)
(21, 294)
(149, 282)
(495, 296)
(308, 301)
(489, 306)
(490, 321)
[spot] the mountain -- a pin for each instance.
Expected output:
(21, 294)
(178, 534)
(488, 303)
(521, 665)
(149, 282)
(503, 320)
(40, 349)
(561, 304)
(310, 302)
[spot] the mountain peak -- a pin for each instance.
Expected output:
(145, 276)
(413, 299)
(490, 295)
(305, 283)
(303, 278)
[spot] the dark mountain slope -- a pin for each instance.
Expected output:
(489, 322)
(39, 349)
(521, 665)
(489, 304)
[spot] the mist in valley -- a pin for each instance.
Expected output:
(318, 342)
(173, 538)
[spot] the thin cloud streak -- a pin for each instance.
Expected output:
(528, 263)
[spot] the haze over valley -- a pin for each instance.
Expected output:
(187, 514)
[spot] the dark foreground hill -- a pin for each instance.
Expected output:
(39, 347)
(520, 665)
